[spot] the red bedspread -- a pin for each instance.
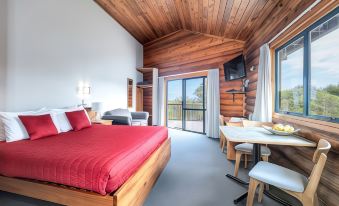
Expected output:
(100, 158)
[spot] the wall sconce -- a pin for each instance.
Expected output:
(83, 92)
(252, 68)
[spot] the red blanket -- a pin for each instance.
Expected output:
(100, 158)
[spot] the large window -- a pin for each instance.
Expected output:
(307, 72)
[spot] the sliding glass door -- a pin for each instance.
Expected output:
(174, 104)
(186, 104)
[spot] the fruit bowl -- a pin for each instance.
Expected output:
(277, 132)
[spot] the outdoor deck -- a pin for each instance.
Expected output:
(196, 126)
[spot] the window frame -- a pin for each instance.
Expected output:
(306, 72)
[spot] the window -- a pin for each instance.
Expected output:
(307, 72)
(291, 77)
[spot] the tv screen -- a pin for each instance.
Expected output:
(235, 69)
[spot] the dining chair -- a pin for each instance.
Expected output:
(224, 142)
(246, 148)
(293, 183)
(222, 138)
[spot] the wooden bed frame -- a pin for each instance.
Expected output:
(133, 192)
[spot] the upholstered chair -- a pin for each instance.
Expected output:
(246, 148)
(293, 183)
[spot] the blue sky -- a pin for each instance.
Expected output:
(324, 63)
(175, 88)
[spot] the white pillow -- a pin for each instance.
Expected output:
(62, 119)
(2, 126)
(14, 129)
(2, 132)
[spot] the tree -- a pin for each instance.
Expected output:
(324, 101)
(199, 93)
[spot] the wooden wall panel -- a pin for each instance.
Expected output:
(296, 158)
(186, 51)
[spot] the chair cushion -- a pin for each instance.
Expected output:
(248, 147)
(278, 176)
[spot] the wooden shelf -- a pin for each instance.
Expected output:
(144, 86)
(234, 92)
(144, 70)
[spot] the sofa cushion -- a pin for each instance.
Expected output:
(119, 112)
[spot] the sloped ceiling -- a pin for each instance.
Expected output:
(148, 20)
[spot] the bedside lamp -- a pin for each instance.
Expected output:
(98, 108)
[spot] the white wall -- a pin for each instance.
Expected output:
(3, 35)
(55, 44)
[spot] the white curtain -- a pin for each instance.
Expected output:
(155, 97)
(161, 101)
(213, 103)
(263, 102)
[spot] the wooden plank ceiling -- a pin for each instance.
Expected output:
(148, 20)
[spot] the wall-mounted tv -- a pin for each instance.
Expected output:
(235, 69)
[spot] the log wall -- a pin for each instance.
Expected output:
(185, 51)
(296, 158)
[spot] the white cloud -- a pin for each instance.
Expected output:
(324, 63)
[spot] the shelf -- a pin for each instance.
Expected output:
(144, 70)
(234, 92)
(144, 86)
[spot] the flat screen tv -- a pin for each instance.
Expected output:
(235, 69)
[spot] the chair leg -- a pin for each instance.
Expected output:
(308, 202)
(265, 158)
(245, 161)
(261, 192)
(251, 191)
(220, 141)
(316, 200)
(223, 145)
(237, 163)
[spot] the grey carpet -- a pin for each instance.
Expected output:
(195, 176)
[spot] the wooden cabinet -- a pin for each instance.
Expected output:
(91, 114)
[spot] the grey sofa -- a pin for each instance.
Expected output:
(125, 117)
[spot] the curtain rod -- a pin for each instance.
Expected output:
(296, 19)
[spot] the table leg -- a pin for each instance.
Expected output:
(238, 180)
(256, 158)
(241, 197)
(256, 154)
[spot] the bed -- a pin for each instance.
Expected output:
(100, 165)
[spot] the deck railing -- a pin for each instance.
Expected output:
(174, 112)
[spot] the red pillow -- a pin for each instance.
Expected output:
(39, 126)
(78, 120)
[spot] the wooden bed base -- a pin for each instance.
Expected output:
(133, 192)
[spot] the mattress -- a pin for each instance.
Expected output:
(100, 158)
